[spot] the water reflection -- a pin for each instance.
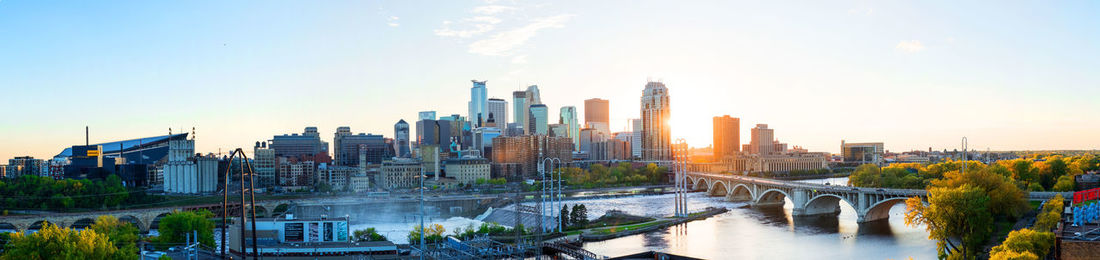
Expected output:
(766, 233)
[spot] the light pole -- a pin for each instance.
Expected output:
(553, 165)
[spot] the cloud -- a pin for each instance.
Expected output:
(392, 21)
(492, 9)
(484, 19)
(502, 43)
(446, 31)
(910, 46)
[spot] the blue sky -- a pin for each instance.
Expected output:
(914, 74)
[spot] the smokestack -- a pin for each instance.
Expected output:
(86, 143)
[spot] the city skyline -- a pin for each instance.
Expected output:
(915, 87)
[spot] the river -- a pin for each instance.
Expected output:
(742, 233)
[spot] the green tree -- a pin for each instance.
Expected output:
(953, 214)
(1026, 240)
(368, 235)
(564, 219)
(1065, 183)
(579, 215)
(52, 242)
(1006, 199)
(866, 175)
(175, 227)
(123, 235)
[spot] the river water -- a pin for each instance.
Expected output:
(741, 233)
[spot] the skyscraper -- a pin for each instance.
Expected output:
(530, 97)
(307, 144)
(569, 118)
(596, 113)
(656, 133)
(519, 108)
(538, 120)
(636, 138)
(763, 140)
(401, 139)
(498, 110)
(727, 137)
(478, 104)
(340, 133)
(429, 115)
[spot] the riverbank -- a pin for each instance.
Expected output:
(605, 233)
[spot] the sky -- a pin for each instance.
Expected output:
(1013, 75)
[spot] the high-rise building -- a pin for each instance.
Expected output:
(352, 145)
(483, 140)
(306, 144)
(25, 165)
(263, 162)
(433, 132)
(636, 138)
(401, 139)
(340, 132)
(559, 130)
(519, 109)
(296, 174)
(763, 140)
(569, 118)
(478, 104)
(429, 115)
(727, 137)
(538, 118)
(596, 115)
(517, 157)
(531, 97)
(498, 111)
(656, 133)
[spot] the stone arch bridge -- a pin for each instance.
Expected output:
(143, 219)
(808, 199)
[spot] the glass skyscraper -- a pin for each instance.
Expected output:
(538, 124)
(478, 104)
(569, 118)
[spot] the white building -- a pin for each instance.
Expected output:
(189, 174)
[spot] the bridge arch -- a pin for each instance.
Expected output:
(280, 209)
(718, 188)
(881, 209)
(701, 184)
(132, 220)
(824, 204)
(689, 182)
(9, 227)
(740, 192)
(772, 197)
(261, 211)
(82, 223)
(155, 223)
(40, 224)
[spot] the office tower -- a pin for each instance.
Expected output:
(538, 120)
(763, 140)
(636, 138)
(294, 145)
(401, 139)
(460, 131)
(340, 132)
(519, 109)
(498, 110)
(596, 114)
(478, 104)
(588, 138)
(656, 133)
(433, 132)
(727, 137)
(430, 115)
(483, 139)
(569, 118)
(352, 145)
(263, 162)
(531, 97)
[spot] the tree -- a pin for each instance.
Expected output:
(953, 214)
(123, 235)
(1026, 240)
(1065, 183)
(175, 227)
(52, 242)
(866, 175)
(579, 216)
(368, 235)
(1013, 255)
(1006, 198)
(432, 234)
(564, 219)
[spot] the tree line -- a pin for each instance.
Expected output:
(1040, 172)
(107, 238)
(44, 193)
(622, 174)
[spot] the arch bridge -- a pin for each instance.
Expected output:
(808, 199)
(143, 219)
